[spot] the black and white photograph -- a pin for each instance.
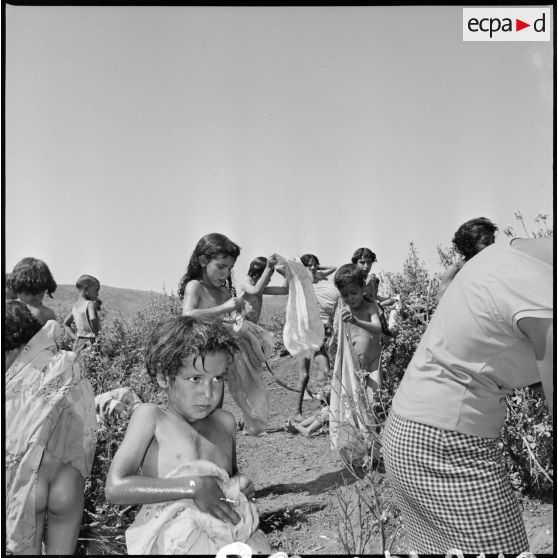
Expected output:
(279, 280)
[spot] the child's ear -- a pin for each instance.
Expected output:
(203, 261)
(162, 381)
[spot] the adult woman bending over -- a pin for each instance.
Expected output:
(492, 332)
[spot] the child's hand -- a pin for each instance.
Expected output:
(272, 261)
(209, 498)
(246, 486)
(234, 303)
(347, 315)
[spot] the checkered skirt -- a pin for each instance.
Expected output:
(452, 489)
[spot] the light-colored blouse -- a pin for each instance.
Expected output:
(473, 353)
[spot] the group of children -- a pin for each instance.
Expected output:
(179, 460)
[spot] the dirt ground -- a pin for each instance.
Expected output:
(299, 481)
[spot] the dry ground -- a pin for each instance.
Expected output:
(298, 481)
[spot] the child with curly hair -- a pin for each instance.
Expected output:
(469, 239)
(194, 500)
(30, 280)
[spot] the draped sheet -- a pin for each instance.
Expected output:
(245, 381)
(303, 333)
(179, 527)
(49, 406)
(350, 420)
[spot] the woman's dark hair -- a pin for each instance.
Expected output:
(347, 275)
(174, 339)
(470, 232)
(20, 325)
(308, 259)
(257, 267)
(31, 276)
(211, 246)
(363, 253)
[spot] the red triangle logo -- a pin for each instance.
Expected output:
(519, 25)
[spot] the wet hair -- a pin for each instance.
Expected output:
(86, 281)
(363, 253)
(20, 325)
(174, 339)
(308, 259)
(31, 276)
(211, 246)
(470, 232)
(257, 267)
(347, 275)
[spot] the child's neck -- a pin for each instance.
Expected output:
(31, 299)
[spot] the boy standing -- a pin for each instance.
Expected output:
(84, 313)
(363, 323)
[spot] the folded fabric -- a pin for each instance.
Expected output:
(179, 527)
(303, 333)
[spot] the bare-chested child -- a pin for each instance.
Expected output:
(256, 285)
(365, 329)
(84, 313)
(29, 281)
(179, 459)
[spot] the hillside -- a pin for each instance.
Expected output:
(117, 302)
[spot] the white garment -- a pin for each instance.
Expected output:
(180, 527)
(303, 333)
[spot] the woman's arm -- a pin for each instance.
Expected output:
(124, 486)
(192, 298)
(541, 334)
(447, 277)
(326, 270)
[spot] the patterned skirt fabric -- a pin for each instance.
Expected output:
(453, 490)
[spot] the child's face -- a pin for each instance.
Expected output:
(92, 291)
(196, 391)
(352, 295)
(365, 264)
(218, 270)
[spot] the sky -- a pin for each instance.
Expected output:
(130, 132)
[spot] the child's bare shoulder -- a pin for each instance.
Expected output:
(147, 413)
(225, 419)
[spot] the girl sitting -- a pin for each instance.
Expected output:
(194, 501)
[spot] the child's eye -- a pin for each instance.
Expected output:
(219, 379)
(195, 379)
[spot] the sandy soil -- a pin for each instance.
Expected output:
(298, 481)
